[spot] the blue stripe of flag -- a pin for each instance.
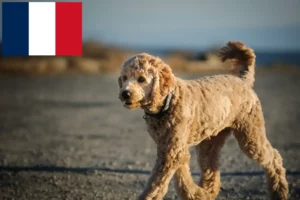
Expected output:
(15, 29)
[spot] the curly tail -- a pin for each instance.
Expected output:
(242, 57)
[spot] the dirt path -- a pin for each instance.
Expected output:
(68, 137)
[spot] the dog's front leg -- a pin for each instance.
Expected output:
(166, 165)
(171, 153)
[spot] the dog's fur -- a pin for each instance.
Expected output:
(201, 113)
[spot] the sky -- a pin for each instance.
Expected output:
(193, 24)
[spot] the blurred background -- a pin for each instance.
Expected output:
(184, 33)
(65, 135)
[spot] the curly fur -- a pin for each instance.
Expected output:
(201, 113)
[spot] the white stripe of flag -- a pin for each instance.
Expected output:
(42, 28)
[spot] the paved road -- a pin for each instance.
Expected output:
(68, 137)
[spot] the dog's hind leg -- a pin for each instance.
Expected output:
(250, 133)
(208, 157)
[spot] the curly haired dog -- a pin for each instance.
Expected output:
(202, 113)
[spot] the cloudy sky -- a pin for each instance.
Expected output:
(262, 24)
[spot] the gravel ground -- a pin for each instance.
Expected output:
(68, 137)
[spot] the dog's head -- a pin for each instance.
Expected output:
(144, 82)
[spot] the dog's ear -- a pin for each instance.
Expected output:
(120, 82)
(166, 80)
(163, 82)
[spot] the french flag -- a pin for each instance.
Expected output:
(41, 28)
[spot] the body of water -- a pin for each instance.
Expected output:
(262, 58)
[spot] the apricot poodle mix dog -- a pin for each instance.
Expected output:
(202, 113)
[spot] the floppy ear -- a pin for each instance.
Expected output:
(166, 80)
(163, 83)
(120, 82)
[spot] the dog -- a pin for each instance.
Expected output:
(183, 113)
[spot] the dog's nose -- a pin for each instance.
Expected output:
(126, 94)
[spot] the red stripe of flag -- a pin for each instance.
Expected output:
(68, 28)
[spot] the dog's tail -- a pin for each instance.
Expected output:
(242, 57)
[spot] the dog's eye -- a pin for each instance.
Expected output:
(124, 78)
(141, 79)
